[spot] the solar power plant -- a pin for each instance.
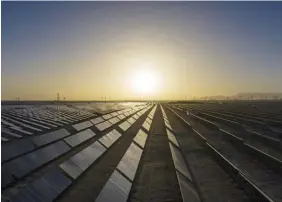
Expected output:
(142, 152)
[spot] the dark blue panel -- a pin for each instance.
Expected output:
(23, 165)
(47, 188)
(71, 168)
(50, 137)
(80, 137)
(16, 148)
(87, 156)
(116, 189)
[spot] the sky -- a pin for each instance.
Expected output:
(89, 50)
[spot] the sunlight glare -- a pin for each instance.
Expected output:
(144, 82)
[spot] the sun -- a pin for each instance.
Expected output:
(144, 82)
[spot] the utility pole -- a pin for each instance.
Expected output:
(58, 96)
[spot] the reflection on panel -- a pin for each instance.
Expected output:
(23, 165)
(114, 120)
(108, 139)
(146, 126)
(129, 162)
(171, 137)
(116, 189)
(124, 126)
(80, 137)
(188, 193)
(131, 120)
(47, 188)
(149, 121)
(14, 149)
(71, 168)
(107, 116)
(88, 155)
(136, 116)
(104, 125)
(121, 116)
(50, 137)
(141, 138)
(179, 161)
(97, 120)
(114, 114)
(83, 125)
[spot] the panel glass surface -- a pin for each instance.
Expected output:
(107, 116)
(171, 137)
(179, 161)
(188, 193)
(146, 126)
(97, 120)
(108, 139)
(83, 125)
(104, 125)
(71, 168)
(129, 162)
(80, 137)
(125, 125)
(114, 120)
(50, 137)
(116, 189)
(141, 138)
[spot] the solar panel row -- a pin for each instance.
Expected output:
(118, 186)
(185, 181)
(77, 164)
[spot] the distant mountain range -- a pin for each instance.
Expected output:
(245, 96)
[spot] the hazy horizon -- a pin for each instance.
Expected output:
(89, 50)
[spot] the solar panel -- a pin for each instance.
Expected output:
(131, 120)
(168, 125)
(80, 137)
(136, 116)
(149, 121)
(129, 162)
(146, 126)
(71, 168)
(25, 164)
(121, 116)
(104, 125)
(87, 156)
(125, 125)
(141, 138)
(171, 137)
(179, 161)
(83, 125)
(188, 193)
(16, 148)
(117, 188)
(114, 114)
(108, 139)
(46, 188)
(114, 120)
(97, 120)
(107, 116)
(50, 137)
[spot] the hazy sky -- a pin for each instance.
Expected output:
(86, 50)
